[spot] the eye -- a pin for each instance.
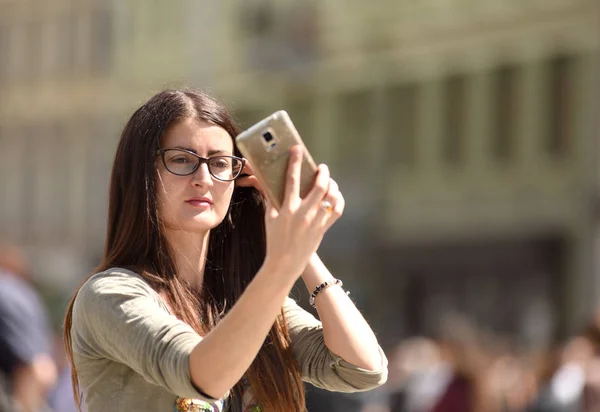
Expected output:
(220, 163)
(180, 159)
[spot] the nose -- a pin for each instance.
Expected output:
(201, 177)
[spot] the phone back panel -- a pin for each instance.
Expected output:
(269, 159)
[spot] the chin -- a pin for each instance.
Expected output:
(196, 223)
(200, 225)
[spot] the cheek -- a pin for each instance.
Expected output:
(166, 188)
(228, 194)
(224, 195)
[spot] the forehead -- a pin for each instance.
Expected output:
(198, 135)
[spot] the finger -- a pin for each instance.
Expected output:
(247, 170)
(332, 206)
(292, 184)
(245, 181)
(338, 202)
(324, 212)
(249, 181)
(340, 205)
(320, 188)
(270, 211)
(338, 209)
(334, 188)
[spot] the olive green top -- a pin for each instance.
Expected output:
(131, 353)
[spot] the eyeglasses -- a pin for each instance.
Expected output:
(182, 162)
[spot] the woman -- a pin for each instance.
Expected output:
(189, 310)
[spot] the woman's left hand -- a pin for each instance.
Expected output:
(333, 196)
(248, 179)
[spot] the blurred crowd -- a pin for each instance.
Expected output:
(34, 373)
(468, 370)
(464, 369)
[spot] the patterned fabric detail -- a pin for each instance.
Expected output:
(249, 404)
(248, 401)
(196, 405)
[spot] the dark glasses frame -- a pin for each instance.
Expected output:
(161, 152)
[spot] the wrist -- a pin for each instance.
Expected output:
(279, 269)
(315, 273)
(329, 283)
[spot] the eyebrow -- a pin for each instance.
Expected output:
(210, 152)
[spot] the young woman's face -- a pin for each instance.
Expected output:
(197, 202)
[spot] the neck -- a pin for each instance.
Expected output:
(189, 251)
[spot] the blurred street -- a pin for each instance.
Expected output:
(463, 134)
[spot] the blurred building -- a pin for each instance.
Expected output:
(70, 74)
(56, 61)
(463, 135)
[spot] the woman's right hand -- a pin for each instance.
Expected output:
(295, 232)
(293, 235)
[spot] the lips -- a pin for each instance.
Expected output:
(199, 201)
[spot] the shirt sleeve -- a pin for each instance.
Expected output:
(321, 367)
(118, 316)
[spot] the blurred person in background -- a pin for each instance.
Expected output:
(507, 383)
(571, 380)
(189, 310)
(420, 376)
(60, 398)
(563, 381)
(429, 375)
(460, 349)
(26, 364)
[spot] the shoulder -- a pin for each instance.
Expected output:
(115, 281)
(114, 290)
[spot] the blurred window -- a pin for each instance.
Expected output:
(505, 109)
(33, 49)
(82, 45)
(279, 36)
(28, 168)
(67, 44)
(10, 170)
(102, 42)
(58, 196)
(248, 117)
(5, 173)
(560, 105)
(101, 141)
(302, 113)
(17, 51)
(4, 51)
(353, 120)
(47, 190)
(401, 124)
(454, 120)
(49, 48)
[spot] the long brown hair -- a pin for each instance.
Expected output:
(236, 249)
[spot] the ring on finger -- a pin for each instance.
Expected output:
(327, 206)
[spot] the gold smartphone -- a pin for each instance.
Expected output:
(267, 145)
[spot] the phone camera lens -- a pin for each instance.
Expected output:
(267, 136)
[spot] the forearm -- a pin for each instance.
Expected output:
(219, 361)
(346, 332)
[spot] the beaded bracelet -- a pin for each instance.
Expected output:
(322, 286)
